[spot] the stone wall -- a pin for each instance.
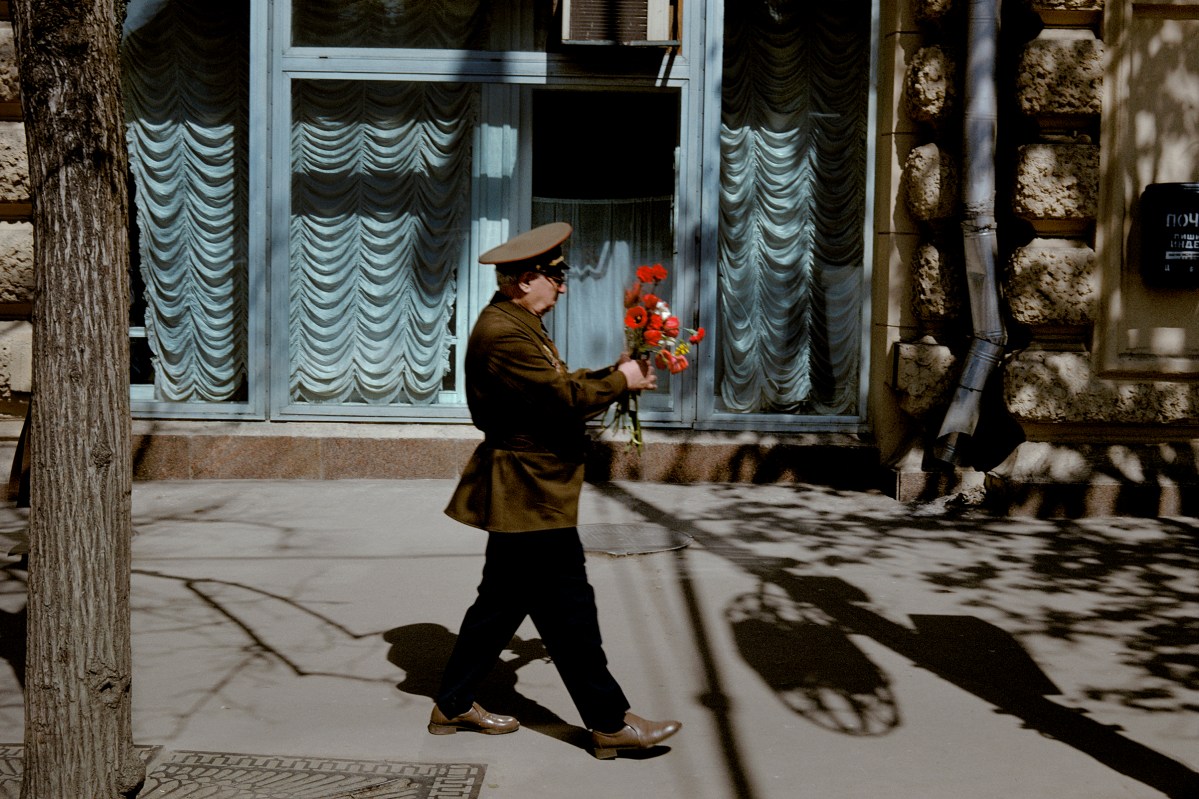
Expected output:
(1052, 383)
(16, 237)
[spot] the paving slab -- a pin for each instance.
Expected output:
(814, 642)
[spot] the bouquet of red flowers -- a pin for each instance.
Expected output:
(652, 333)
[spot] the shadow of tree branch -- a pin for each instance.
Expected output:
(966, 651)
(258, 637)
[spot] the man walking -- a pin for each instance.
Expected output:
(522, 486)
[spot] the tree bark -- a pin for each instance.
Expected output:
(78, 736)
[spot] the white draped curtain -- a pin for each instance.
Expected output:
(185, 89)
(380, 216)
(792, 205)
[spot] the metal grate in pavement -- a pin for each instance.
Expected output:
(226, 775)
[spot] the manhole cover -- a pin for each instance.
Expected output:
(631, 539)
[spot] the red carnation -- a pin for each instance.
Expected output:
(645, 274)
(697, 337)
(658, 273)
(655, 322)
(650, 300)
(653, 337)
(672, 326)
(678, 364)
(662, 359)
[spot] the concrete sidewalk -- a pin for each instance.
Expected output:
(814, 643)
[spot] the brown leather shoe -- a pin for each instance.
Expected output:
(637, 733)
(474, 720)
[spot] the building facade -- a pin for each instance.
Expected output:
(313, 183)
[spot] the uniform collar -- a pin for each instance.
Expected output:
(522, 315)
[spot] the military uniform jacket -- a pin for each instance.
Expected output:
(528, 472)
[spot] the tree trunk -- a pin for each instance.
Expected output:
(78, 738)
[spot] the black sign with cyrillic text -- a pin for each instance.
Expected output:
(1170, 235)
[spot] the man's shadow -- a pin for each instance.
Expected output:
(422, 650)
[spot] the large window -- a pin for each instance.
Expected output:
(792, 245)
(380, 204)
(186, 92)
(314, 182)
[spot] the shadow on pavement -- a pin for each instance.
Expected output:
(13, 627)
(422, 650)
(811, 663)
(839, 688)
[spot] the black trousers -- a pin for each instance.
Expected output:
(541, 575)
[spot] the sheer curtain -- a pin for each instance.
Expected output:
(792, 205)
(185, 87)
(380, 216)
(611, 239)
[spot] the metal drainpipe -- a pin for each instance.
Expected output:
(978, 232)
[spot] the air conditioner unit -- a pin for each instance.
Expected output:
(652, 23)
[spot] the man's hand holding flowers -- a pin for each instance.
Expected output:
(638, 374)
(652, 335)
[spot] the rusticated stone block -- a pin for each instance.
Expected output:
(10, 82)
(1060, 75)
(924, 376)
(938, 289)
(16, 263)
(16, 359)
(14, 163)
(1053, 282)
(932, 10)
(1043, 386)
(1057, 185)
(930, 183)
(931, 88)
